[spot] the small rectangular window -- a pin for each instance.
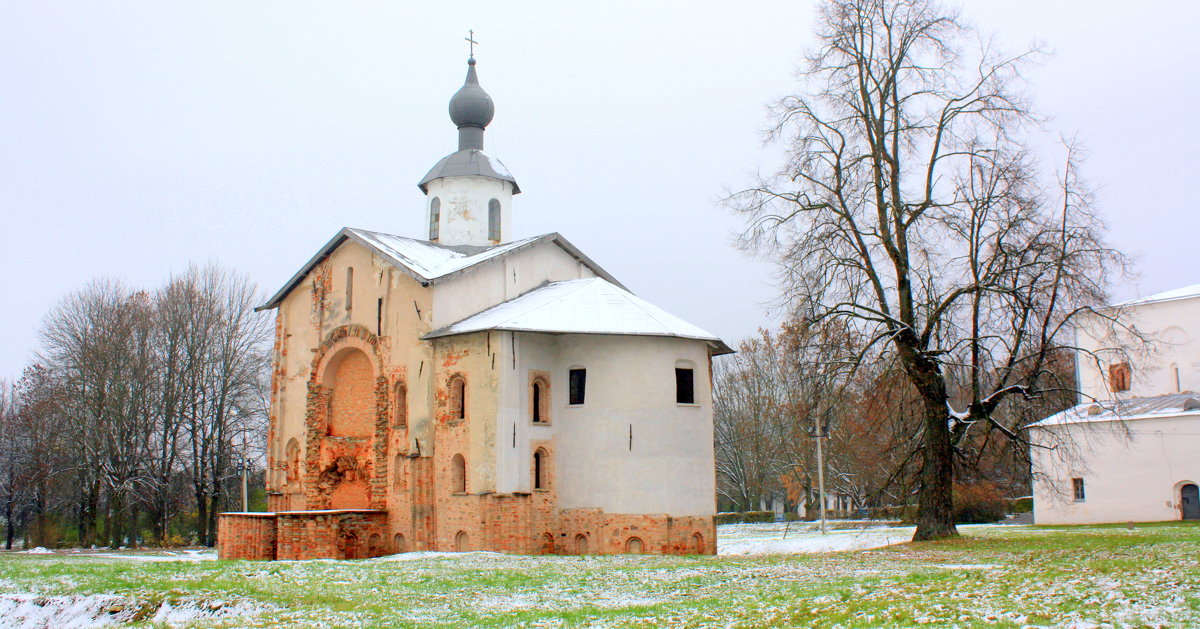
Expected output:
(577, 381)
(685, 390)
(1077, 489)
(349, 287)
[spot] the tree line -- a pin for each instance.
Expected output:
(130, 425)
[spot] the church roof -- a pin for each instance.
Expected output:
(430, 262)
(467, 163)
(585, 306)
(1171, 405)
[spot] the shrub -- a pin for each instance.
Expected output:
(978, 503)
(1024, 504)
(727, 518)
(758, 516)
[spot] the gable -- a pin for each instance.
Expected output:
(429, 262)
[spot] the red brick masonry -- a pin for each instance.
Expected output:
(506, 527)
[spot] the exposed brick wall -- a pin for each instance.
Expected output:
(246, 536)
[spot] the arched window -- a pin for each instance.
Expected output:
(458, 398)
(293, 465)
(400, 405)
(634, 546)
(494, 219)
(539, 401)
(458, 474)
(398, 472)
(698, 543)
(462, 542)
(435, 217)
(352, 401)
(581, 544)
(541, 474)
(349, 287)
(398, 545)
(1119, 377)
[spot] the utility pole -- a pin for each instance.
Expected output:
(819, 433)
(246, 471)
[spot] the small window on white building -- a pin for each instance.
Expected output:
(685, 385)
(577, 382)
(1077, 489)
(1175, 375)
(435, 217)
(494, 219)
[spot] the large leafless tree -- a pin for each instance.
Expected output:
(912, 209)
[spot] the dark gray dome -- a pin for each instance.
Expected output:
(471, 106)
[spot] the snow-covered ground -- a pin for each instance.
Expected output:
(777, 538)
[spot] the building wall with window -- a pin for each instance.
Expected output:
(1170, 365)
(1129, 471)
(1130, 450)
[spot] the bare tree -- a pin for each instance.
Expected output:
(910, 209)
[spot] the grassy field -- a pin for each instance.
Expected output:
(1147, 576)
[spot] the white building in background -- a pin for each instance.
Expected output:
(1130, 451)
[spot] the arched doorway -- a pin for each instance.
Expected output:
(1189, 501)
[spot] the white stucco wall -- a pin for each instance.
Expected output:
(1132, 470)
(630, 389)
(1174, 326)
(464, 209)
(459, 297)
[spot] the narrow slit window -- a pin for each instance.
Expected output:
(349, 287)
(494, 219)
(458, 398)
(435, 217)
(685, 389)
(537, 402)
(577, 380)
(400, 400)
(539, 469)
(1078, 490)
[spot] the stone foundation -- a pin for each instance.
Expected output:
(503, 523)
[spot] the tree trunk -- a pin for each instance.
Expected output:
(935, 501)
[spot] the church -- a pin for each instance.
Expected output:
(468, 391)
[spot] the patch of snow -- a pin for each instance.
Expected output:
(39, 551)
(431, 554)
(33, 611)
(769, 539)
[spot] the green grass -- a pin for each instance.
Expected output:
(998, 577)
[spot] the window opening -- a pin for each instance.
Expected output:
(1077, 489)
(458, 474)
(379, 317)
(458, 398)
(539, 469)
(494, 219)
(1119, 376)
(577, 384)
(349, 287)
(461, 542)
(435, 217)
(685, 391)
(400, 408)
(634, 546)
(537, 402)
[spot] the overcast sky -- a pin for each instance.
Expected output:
(136, 137)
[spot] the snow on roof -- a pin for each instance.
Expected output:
(1173, 405)
(586, 306)
(1170, 295)
(428, 262)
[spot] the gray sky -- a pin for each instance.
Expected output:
(138, 136)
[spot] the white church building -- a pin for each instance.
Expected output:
(1130, 450)
(468, 390)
